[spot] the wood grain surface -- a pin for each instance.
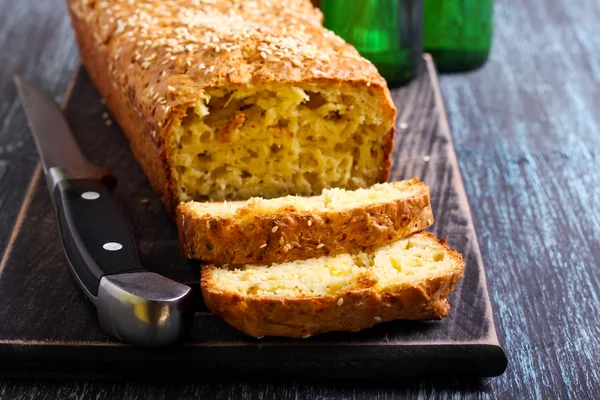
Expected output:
(527, 131)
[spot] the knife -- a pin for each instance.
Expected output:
(133, 305)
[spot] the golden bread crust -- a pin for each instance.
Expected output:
(361, 308)
(286, 234)
(152, 61)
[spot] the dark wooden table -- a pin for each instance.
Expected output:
(527, 132)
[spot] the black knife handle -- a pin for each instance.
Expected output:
(94, 230)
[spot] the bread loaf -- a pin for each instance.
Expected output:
(292, 228)
(407, 279)
(230, 99)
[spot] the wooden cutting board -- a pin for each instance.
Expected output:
(49, 329)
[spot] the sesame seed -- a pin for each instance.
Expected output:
(171, 88)
(377, 319)
(260, 337)
(403, 125)
(263, 54)
(281, 240)
(262, 246)
(388, 305)
(340, 301)
(105, 115)
(274, 229)
(321, 245)
(306, 336)
(212, 68)
(207, 224)
(427, 158)
(108, 122)
(288, 246)
(309, 222)
(368, 83)
(144, 201)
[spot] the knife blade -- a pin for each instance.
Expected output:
(133, 304)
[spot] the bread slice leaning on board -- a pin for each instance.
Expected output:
(294, 228)
(232, 99)
(407, 279)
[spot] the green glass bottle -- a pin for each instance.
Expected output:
(386, 32)
(458, 33)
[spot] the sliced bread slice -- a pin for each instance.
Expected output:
(294, 228)
(407, 279)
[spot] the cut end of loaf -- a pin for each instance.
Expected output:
(330, 200)
(271, 140)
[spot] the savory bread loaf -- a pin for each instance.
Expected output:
(230, 99)
(407, 279)
(292, 228)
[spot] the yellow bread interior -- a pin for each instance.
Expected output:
(329, 200)
(272, 140)
(405, 262)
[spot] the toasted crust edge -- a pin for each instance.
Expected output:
(231, 240)
(360, 309)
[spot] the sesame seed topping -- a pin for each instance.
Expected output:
(427, 158)
(321, 245)
(388, 305)
(309, 222)
(207, 224)
(377, 319)
(403, 125)
(262, 246)
(274, 229)
(281, 240)
(156, 38)
(340, 302)
(306, 336)
(108, 122)
(104, 115)
(171, 88)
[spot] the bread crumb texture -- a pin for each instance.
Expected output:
(335, 199)
(406, 262)
(246, 98)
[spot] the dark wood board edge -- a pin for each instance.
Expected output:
(481, 360)
(462, 193)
